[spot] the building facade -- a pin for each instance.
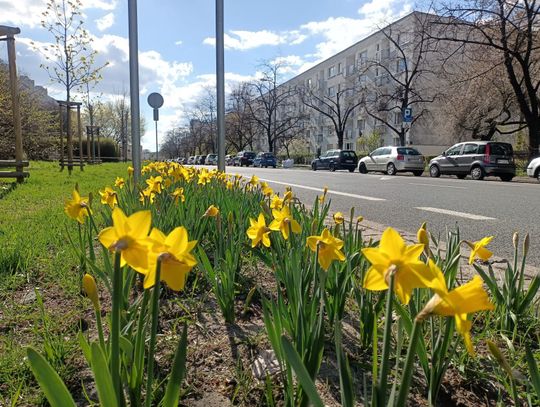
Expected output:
(387, 83)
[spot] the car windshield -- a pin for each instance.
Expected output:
(407, 151)
(249, 155)
(268, 155)
(348, 154)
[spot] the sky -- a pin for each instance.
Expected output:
(177, 43)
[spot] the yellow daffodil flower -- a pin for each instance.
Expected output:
(109, 197)
(288, 196)
(119, 182)
(77, 207)
(392, 253)
(276, 202)
(478, 249)
(267, 191)
(178, 195)
(359, 219)
(230, 185)
(339, 218)
(129, 236)
(174, 252)
(254, 180)
(322, 198)
(258, 231)
(130, 171)
(465, 299)
(154, 184)
(211, 212)
(284, 222)
(204, 177)
(329, 248)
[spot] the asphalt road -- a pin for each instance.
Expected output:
(478, 208)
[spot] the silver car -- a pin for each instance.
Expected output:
(392, 160)
(533, 169)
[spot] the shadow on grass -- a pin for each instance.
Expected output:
(6, 188)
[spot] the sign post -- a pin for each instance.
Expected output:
(155, 100)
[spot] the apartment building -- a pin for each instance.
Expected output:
(389, 82)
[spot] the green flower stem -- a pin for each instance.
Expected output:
(115, 326)
(153, 334)
(408, 366)
(383, 374)
(100, 330)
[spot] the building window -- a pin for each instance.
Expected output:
(350, 69)
(361, 126)
(339, 68)
(397, 118)
(378, 47)
(331, 91)
(377, 71)
(308, 83)
(362, 58)
(400, 65)
(332, 71)
(319, 139)
(349, 146)
(362, 79)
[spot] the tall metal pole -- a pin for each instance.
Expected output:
(15, 104)
(220, 83)
(157, 144)
(134, 89)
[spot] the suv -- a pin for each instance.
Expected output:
(244, 158)
(336, 160)
(477, 158)
(265, 160)
(392, 160)
(533, 169)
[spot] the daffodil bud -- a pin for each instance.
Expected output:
(359, 219)
(91, 291)
(422, 236)
(515, 240)
(526, 245)
(339, 218)
(211, 212)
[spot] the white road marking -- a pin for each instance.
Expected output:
(435, 185)
(454, 213)
(386, 178)
(367, 198)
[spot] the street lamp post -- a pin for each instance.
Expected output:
(155, 100)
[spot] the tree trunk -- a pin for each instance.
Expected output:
(534, 137)
(339, 135)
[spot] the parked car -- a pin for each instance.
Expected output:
(336, 160)
(244, 158)
(533, 169)
(477, 158)
(191, 160)
(211, 159)
(265, 160)
(392, 160)
(229, 159)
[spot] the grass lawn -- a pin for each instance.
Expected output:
(35, 253)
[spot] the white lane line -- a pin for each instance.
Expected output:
(435, 185)
(386, 178)
(454, 213)
(367, 198)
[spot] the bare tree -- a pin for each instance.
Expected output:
(239, 125)
(479, 102)
(401, 76)
(71, 58)
(337, 104)
(510, 29)
(271, 107)
(176, 143)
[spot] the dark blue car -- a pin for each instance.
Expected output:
(265, 160)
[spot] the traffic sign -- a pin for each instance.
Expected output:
(407, 115)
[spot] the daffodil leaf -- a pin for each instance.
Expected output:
(54, 388)
(301, 372)
(533, 370)
(172, 393)
(102, 377)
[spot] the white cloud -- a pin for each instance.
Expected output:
(105, 22)
(242, 40)
(179, 42)
(341, 32)
(29, 12)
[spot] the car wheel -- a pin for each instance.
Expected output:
(332, 167)
(274, 166)
(418, 173)
(461, 176)
(537, 175)
(477, 173)
(434, 171)
(507, 177)
(314, 167)
(362, 169)
(391, 169)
